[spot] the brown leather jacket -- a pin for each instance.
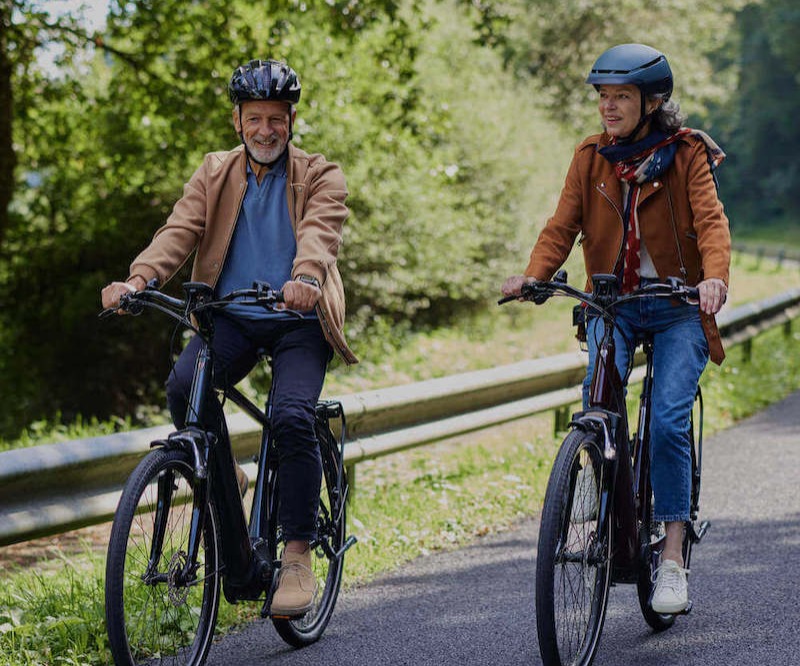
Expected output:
(205, 217)
(681, 219)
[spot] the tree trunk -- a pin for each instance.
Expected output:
(7, 156)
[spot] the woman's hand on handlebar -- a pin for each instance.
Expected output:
(713, 293)
(513, 285)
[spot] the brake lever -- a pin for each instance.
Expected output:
(131, 305)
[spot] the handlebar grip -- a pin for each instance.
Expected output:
(507, 299)
(693, 293)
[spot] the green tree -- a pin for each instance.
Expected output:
(760, 133)
(103, 145)
(556, 41)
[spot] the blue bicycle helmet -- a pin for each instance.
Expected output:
(269, 80)
(635, 64)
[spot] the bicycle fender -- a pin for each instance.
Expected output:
(602, 422)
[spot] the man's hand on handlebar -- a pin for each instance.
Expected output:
(713, 293)
(111, 294)
(299, 296)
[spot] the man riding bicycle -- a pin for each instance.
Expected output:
(271, 212)
(642, 197)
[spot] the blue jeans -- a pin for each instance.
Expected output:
(680, 353)
(300, 356)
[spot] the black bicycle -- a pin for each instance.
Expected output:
(180, 531)
(597, 526)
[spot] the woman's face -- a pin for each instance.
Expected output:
(620, 109)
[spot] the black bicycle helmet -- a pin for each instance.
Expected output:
(270, 80)
(636, 64)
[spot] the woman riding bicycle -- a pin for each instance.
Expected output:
(642, 196)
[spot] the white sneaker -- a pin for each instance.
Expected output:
(584, 498)
(672, 590)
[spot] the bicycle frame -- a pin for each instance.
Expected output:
(247, 575)
(630, 488)
(607, 412)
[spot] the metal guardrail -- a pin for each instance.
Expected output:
(53, 488)
(779, 254)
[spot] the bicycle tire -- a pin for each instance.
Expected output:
(573, 572)
(160, 621)
(331, 534)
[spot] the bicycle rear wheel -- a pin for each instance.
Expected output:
(574, 551)
(151, 615)
(326, 560)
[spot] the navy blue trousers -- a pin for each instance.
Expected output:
(300, 356)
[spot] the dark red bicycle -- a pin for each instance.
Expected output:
(597, 524)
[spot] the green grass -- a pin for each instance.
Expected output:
(770, 237)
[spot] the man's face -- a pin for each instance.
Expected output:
(264, 126)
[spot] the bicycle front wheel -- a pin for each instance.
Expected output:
(326, 560)
(573, 560)
(152, 615)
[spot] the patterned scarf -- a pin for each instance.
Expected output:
(642, 162)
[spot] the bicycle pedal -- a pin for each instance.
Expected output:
(351, 541)
(686, 610)
(287, 617)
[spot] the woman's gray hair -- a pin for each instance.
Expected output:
(668, 117)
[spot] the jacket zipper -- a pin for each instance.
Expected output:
(621, 220)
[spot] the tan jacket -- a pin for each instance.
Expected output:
(681, 219)
(205, 217)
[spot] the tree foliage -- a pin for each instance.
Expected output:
(446, 116)
(758, 125)
(555, 42)
(106, 143)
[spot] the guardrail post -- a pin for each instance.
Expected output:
(561, 421)
(747, 350)
(350, 470)
(787, 328)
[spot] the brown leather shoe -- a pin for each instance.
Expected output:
(297, 586)
(241, 477)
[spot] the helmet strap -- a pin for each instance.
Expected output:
(643, 119)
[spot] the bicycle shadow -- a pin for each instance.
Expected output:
(475, 606)
(468, 606)
(743, 585)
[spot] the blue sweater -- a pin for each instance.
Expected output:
(263, 246)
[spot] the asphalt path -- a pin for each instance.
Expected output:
(474, 606)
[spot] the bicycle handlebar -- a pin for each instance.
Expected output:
(199, 297)
(605, 293)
